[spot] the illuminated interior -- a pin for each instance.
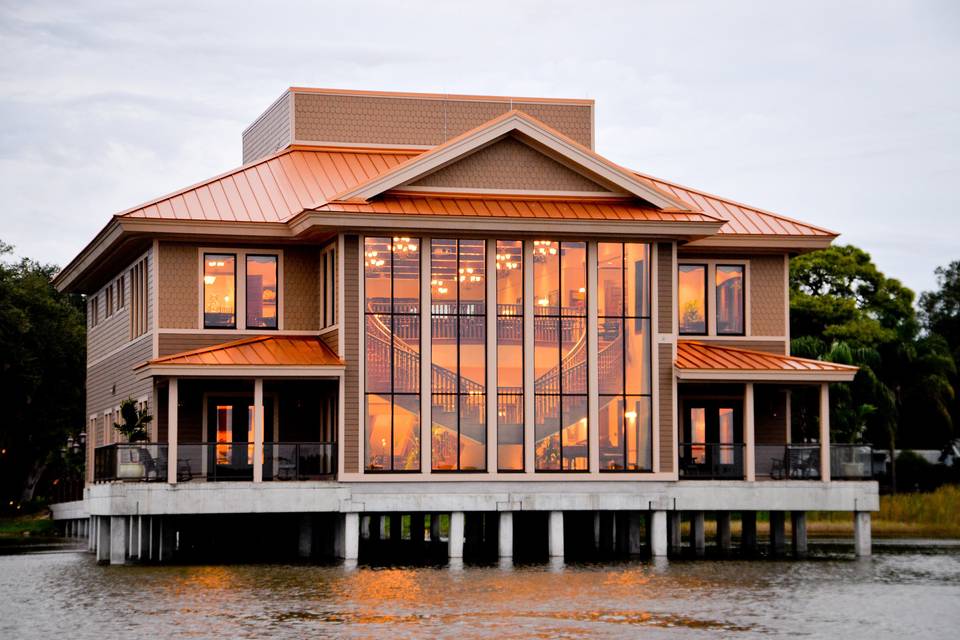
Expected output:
(698, 434)
(262, 292)
(509, 261)
(730, 299)
(692, 298)
(392, 358)
(219, 291)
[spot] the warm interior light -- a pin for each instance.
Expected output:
(543, 302)
(630, 415)
(209, 280)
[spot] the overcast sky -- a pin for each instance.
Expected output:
(843, 114)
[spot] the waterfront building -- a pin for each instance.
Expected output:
(437, 319)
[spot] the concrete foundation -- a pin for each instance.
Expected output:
(698, 539)
(674, 539)
(457, 526)
(635, 533)
(351, 536)
(119, 539)
(748, 531)
(305, 540)
(143, 538)
(778, 535)
(505, 535)
(103, 540)
(658, 533)
(723, 531)
(798, 522)
(862, 534)
(555, 534)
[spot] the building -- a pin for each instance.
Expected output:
(405, 305)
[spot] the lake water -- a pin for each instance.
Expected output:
(906, 590)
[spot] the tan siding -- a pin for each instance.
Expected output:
(770, 346)
(509, 164)
(271, 132)
(667, 407)
(665, 287)
(770, 426)
(419, 121)
(179, 293)
(767, 296)
(331, 339)
(169, 343)
(301, 289)
(351, 338)
(113, 333)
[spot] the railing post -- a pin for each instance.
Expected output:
(825, 432)
(172, 415)
(749, 453)
(258, 430)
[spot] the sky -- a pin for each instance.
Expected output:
(842, 114)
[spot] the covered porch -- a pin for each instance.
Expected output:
(751, 415)
(256, 409)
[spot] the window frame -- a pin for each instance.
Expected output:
(706, 298)
(246, 297)
(240, 288)
(329, 287)
(743, 298)
(711, 266)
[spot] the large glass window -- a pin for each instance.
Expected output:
(262, 292)
(458, 348)
(219, 291)
(730, 309)
(509, 355)
(692, 299)
(624, 364)
(560, 355)
(392, 358)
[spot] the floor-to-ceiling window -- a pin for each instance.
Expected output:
(560, 355)
(458, 351)
(623, 360)
(509, 261)
(392, 358)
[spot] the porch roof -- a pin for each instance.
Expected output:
(702, 361)
(263, 356)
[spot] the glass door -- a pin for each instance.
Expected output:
(230, 429)
(711, 439)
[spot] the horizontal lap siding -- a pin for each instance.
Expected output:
(769, 346)
(331, 339)
(666, 407)
(351, 352)
(270, 132)
(665, 287)
(771, 414)
(170, 343)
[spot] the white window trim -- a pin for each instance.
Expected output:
(711, 264)
(240, 306)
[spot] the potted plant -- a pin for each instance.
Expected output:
(133, 462)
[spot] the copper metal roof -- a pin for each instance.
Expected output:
(259, 351)
(699, 356)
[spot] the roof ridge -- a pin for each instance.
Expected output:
(781, 356)
(736, 203)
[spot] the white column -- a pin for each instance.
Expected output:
(825, 432)
(455, 545)
(658, 533)
(861, 534)
(172, 415)
(258, 430)
(528, 353)
(491, 282)
(351, 536)
(749, 446)
(555, 534)
(506, 534)
(103, 540)
(118, 539)
(593, 348)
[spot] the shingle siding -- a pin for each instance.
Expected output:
(179, 275)
(667, 407)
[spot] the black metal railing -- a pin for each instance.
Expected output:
(136, 462)
(711, 461)
(802, 461)
(215, 461)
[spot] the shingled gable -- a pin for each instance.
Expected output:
(532, 133)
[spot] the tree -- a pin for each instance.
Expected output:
(940, 316)
(136, 422)
(844, 309)
(42, 369)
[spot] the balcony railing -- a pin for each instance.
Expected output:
(711, 461)
(787, 461)
(215, 461)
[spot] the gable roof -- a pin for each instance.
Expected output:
(701, 361)
(512, 123)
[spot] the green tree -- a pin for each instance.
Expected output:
(135, 422)
(42, 368)
(940, 316)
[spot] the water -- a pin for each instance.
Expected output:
(905, 591)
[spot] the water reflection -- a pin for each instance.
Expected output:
(908, 592)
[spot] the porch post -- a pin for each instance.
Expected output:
(825, 432)
(258, 430)
(172, 414)
(749, 450)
